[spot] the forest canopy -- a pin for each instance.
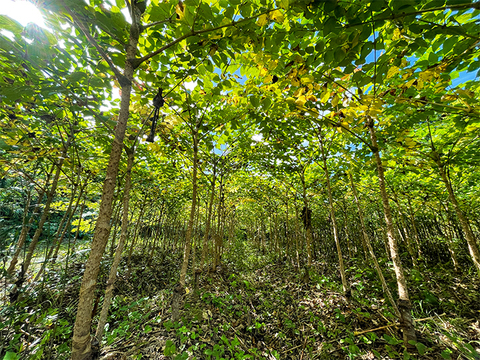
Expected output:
(152, 150)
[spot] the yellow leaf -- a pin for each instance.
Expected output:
(448, 97)
(312, 98)
(268, 79)
(466, 93)
(409, 143)
(420, 84)
(409, 83)
(277, 16)
(299, 92)
(426, 75)
(397, 34)
(284, 4)
(262, 20)
(295, 82)
(325, 96)
(392, 72)
(272, 65)
(180, 10)
(307, 79)
(301, 101)
(335, 100)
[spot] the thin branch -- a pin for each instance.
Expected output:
(136, 62)
(475, 5)
(121, 79)
(169, 20)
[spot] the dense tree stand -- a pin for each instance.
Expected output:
(262, 179)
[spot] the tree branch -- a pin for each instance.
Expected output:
(138, 61)
(121, 79)
(169, 20)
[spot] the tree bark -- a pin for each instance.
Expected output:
(81, 344)
(118, 252)
(368, 244)
(188, 236)
(46, 211)
(26, 228)
(308, 226)
(209, 220)
(346, 288)
(404, 304)
(471, 241)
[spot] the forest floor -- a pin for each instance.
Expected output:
(256, 308)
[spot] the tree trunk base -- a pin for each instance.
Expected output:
(406, 323)
(177, 300)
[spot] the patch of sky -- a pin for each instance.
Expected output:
(22, 11)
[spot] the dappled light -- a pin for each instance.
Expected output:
(262, 179)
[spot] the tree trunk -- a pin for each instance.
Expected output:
(471, 241)
(58, 238)
(118, 252)
(81, 344)
(45, 213)
(308, 226)
(209, 219)
(218, 235)
(407, 239)
(26, 228)
(404, 305)
(346, 288)
(414, 226)
(366, 241)
(188, 236)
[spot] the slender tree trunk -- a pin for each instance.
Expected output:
(80, 218)
(218, 234)
(188, 237)
(471, 241)
(346, 288)
(118, 252)
(26, 228)
(45, 213)
(209, 219)
(81, 343)
(67, 226)
(116, 217)
(449, 235)
(297, 234)
(414, 226)
(59, 236)
(408, 240)
(135, 234)
(308, 225)
(366, 240)
(404, 305)
(23, 233)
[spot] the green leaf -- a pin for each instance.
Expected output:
(329, 25)
(254, 101)
(339, 55)
(446, 354)
(421, 348)
(170, 348)
(10, 356)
